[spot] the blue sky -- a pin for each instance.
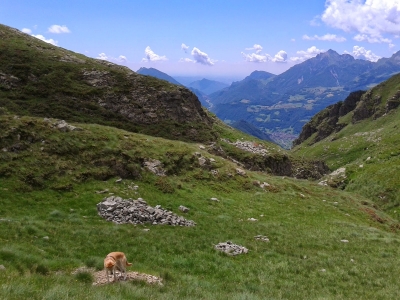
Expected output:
(211, 37)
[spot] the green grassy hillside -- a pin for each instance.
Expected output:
(368, 146)
(49, 225)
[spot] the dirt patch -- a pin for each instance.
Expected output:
(100, 277)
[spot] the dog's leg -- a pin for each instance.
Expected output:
(115, 273)
(108, 279)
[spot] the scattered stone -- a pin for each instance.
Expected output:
(118, 180)
(302, 195)
(323, 270)
(251, 219)
(361, 166)
(264, 185)
(129, 211)
(344, 241)
(230, 248)
(100, 277)
(2, 268)
(183, 209)
(262, 238)
(202, 147)
(102, 192)
(351, 260)
(146, 229)
(155, 166)
(214, 172)
(214, 199)
(65, 127)
(335, 203)
(240, 172)
(46, 237)
(249, 146)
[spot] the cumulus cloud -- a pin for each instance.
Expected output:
(201, 57)
(58, 29)
(280, 57)
(258, 57)
(122, 58)
(326, 37)
(254, 57)
(41, 37)
(26, 30)
(256, 47)
(371, 39)
(371, 19)
(304, 55)
(184, 47)
(151, 56)
(119, 59)
(362, 53)
(102, 56)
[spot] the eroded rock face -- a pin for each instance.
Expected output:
(122, 211)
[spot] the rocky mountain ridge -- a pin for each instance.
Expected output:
(361, 105)
(40, 79)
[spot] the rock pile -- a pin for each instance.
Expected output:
(230, 248)
(121, 211)
(249, 147)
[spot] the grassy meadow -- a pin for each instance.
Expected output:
(324, 243)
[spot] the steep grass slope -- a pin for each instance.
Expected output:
(366, 142)
(40, 79)
(324, 243)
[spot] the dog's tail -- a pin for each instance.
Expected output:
(128, 264)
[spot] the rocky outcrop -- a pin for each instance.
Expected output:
(261, 159)
(122, 211)
(325, 122)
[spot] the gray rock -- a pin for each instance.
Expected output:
(183, 209)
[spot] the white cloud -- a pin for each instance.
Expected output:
(280, 57)
(122, 58)
(370, 18)
(41, 37)
(258, 57)
(119, 59)
(370, 39)
(256, 47)
(151, 56)
(254, 57)
(362, 53)
(102, 56)
(326, 37)
(59, 29)
(304, 55)
(184, 47)
(201, 57)
(186, 60)
(26, 30)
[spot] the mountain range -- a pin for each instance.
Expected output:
(282, 104)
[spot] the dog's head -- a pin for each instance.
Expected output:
(109, 262)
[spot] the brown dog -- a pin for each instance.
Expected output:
(116, 261)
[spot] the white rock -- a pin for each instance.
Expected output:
(344, 241)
